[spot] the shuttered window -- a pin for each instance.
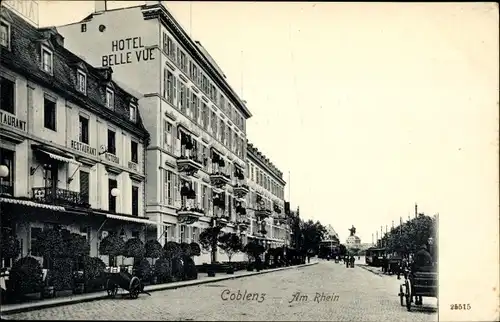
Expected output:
(84, 185)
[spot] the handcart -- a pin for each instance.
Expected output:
(126, 281)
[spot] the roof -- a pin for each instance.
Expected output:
(23, 59)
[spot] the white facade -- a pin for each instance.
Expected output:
(183, 93)
(53, 134)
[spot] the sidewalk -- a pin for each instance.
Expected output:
(202, 279)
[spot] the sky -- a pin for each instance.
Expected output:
(371, 108)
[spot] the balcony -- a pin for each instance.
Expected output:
(60, 197)
(219, 179)
(189, 164)
(189, 214)
(241, 190)
(222, 221)
(243, 224)
(262, 213)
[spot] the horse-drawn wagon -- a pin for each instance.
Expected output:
(418, 284)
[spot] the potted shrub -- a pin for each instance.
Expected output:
(62, 274)
(93, 269)
(230, 243)
(10, 248)
(51, 245)
(254, 250)
(143, 270)
(77, 248)
(26, 277)
(173, 252)
(163, 270)
(153, 250)
(195, 249)
(113, 246)
(209, 240)
(134, 247)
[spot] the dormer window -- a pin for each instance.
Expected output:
(133, 112)
(110, 98)
(47, 60)
(4, 34)
(81, 80)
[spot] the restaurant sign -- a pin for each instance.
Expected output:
(27, 9)
(13, 121)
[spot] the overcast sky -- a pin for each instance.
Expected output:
(371, 107)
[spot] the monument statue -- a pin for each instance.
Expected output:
(352, 230)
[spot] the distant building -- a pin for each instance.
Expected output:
(353, 241)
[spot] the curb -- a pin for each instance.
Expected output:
(150, 288)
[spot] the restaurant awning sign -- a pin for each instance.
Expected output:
(27, 9)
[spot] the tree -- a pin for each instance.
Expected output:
(134, 247)
(153, 249)
(230, 243)
(313, 233)
(112, 245)
(208, 240)
(253, 249)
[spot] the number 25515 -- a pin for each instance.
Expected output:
(460, 307)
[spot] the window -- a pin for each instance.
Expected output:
(112, 200)
(110, 98)
(170, 86)
(213, 93)
(47, 60)
(7, 90)
(233, 146)
(134, 152)
(204, 116)
(196, 108)
(81, 79)
(84, 185)
(170, 188)
(222, 102)
(35, 233)
(133, 112)
(4, 34)
(182, 101)
(111, 142)
(7, 183)
(49, 114)
(135, 201)
(242, 123)
(84, 130)
(84, 27)
(183, 233)
(182, 61)
(167, 136)
(221, 130)
(214, 124)
(195, 234)
(170, 48)
(229, 138)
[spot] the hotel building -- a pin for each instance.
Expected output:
(72, 143)
(196, 159)
(267, 188)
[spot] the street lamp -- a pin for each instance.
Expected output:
(115, 192)
(4, 173)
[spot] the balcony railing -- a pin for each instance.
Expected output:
(6, 189)
(241, 190)
(189, 164)
(60, 197)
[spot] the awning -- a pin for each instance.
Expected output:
(29, 203)
(61, 158)
(132, 219)
(53, 154)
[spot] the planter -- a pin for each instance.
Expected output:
(79, 288)
(211, 271)
(48, 292)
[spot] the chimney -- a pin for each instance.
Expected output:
(100, 5)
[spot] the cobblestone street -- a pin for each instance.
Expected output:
(343, 295)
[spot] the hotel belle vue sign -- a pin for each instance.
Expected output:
(28, 9)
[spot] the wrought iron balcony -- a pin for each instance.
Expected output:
(241, 190)
(219, 179)
(190, 213)
(262, 213)
(6, 189)
(60, 197)
(189, 164)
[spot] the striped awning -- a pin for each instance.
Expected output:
(56, 154)
(61, 158)
(132, 219)
(29, 203)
